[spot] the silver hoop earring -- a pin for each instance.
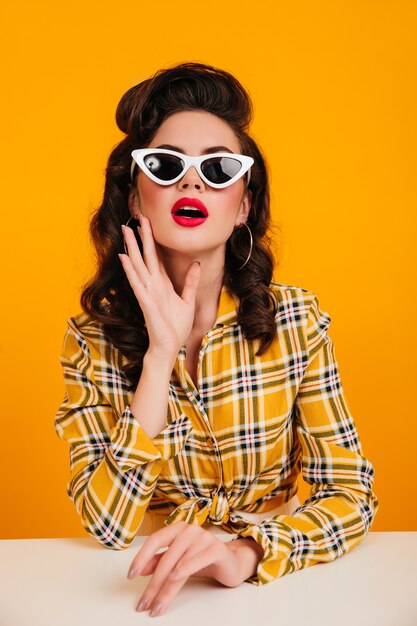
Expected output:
(127, 223)
(251, 246)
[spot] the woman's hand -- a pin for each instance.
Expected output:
(168, 316)
(192, 551)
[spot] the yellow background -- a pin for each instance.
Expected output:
(334, 91)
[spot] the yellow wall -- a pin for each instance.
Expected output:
(334, 88)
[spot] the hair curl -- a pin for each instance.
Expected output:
(108, 297)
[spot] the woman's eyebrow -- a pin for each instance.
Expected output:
(168, 146)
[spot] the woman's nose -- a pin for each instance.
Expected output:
(191, 178)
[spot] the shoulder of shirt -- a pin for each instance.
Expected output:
(300, 307)
(286, 298)
(292, 294)
(84, 326)
(90, 336)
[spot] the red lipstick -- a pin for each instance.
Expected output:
(189, 212)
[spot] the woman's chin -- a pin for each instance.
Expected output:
(192, 249)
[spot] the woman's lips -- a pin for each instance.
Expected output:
(185, 220)
(182, 220)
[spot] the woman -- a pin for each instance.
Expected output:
(198, 388)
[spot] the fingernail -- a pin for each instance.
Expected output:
(132, 572)
(143, 604)
(156, 610)
(123, 227)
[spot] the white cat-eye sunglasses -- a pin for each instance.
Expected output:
(166, 167)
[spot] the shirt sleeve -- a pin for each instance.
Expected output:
(114, 464)
(341, 507)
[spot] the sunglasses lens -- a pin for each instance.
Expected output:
(164, 166)
(220, 169)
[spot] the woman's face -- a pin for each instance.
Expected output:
(192, 132)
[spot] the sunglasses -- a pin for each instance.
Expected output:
(165, 167)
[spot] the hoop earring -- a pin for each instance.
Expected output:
(127, 223)
(251, 246)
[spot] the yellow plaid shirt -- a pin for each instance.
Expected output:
(237, 443)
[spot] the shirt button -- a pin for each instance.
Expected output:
(210, 442)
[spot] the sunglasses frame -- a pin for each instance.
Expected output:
(196, 161)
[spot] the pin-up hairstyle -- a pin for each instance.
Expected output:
(108, 297)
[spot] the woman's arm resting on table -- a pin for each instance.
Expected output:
(342, 505)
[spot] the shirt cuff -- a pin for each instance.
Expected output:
(271, 563)
(131, 446)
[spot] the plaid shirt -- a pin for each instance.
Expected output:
(238, 442)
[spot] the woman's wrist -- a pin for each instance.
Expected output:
(158, 362)
(249, 553)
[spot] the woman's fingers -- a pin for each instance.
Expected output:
(191, 563)
(150, 263)
(135, 255)
(149, 250)
(163, 586)
(159, 539)
(183, 540)
(192, 279)
(217, 559)
(162, 269)
(160, 603)
(138, 287)
(161, 589)
(149, 568)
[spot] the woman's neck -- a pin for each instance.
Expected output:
(209, 286)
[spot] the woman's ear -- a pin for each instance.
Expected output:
(133, 201)
(245, 207)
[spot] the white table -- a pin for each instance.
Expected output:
(77, 582)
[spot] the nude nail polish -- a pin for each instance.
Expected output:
(156, 610)
(143, 604)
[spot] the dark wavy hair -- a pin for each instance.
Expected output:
(108, 297)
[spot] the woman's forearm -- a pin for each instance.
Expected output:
(150, 400)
